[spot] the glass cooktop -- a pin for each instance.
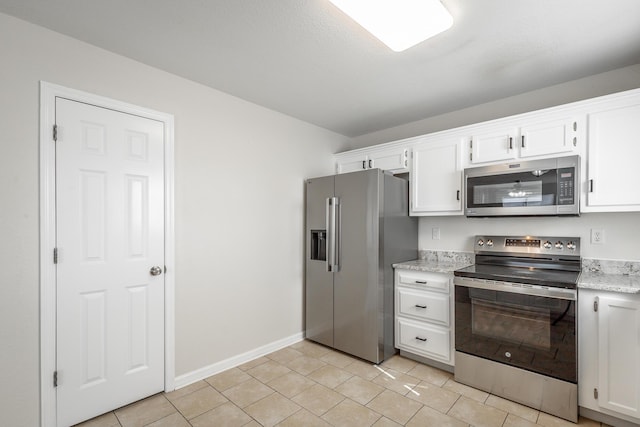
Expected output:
(527, 275)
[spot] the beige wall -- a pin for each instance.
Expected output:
(239, 173)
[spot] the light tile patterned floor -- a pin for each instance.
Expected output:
(307, 384)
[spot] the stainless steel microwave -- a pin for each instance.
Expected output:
(527, 188)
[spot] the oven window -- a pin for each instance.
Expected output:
(530, 332)
(536, 188)
(523, 326)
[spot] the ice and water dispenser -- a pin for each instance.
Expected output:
(319, 245)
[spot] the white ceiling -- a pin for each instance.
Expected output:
(305, 59)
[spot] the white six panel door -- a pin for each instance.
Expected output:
(110, 233)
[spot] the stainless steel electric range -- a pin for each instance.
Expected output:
(515, 321)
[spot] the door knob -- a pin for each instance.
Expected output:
(155, 271)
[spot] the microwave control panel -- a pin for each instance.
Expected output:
(566, 190)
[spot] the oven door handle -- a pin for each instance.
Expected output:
(516, 288)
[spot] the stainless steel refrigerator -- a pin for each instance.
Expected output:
(357, 226)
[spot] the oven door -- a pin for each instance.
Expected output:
(528, 327)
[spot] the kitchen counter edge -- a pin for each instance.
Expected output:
(430, 266)
(621, 283)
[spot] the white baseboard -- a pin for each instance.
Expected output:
(205, 372)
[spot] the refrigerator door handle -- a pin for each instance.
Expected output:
(332, 233)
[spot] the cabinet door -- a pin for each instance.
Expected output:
(436, 178)
(395, 160)
(551, 137)
(619, 354)
(351, 163)
(613, 156)
(494, 145)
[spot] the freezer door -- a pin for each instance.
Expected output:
(357, 286)
(319, 281)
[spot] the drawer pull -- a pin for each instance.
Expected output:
(420, 306)
(421, 339)
(421, 282)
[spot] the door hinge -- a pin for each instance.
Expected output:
(595, 305)
(55, 133)
(595, 393)
(55, 255)
(55, 378)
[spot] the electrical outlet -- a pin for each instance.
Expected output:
(435, 233)
(597, 236)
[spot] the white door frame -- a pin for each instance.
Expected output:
(48, 94)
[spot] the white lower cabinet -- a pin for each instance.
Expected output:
(609, 353)
(423, 314)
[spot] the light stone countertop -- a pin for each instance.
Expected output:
(610, 275)
(622, 283)
(431, 266)
(601, 275)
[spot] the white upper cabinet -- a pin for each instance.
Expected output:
(604, 131)
(612, 180)
(435, 178)
(351, 162)
(549, 137)
(492, 145)
(507, 140)
(394, 158)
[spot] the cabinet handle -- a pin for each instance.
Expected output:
(510, 143)
(421, 339)
(421, 282)
(590, 186)
(458, 195)
(370, 164)
(364, 164)
(575, 141)
(420, 306)
(522, 141)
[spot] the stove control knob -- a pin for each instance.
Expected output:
(480, 242)
(559, 245)
(571, 246)
(547, 245)
(490, 243)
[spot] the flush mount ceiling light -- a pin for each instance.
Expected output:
(399, 24)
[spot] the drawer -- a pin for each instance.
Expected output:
(424, 340)
(423, 305)
(432, 281)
